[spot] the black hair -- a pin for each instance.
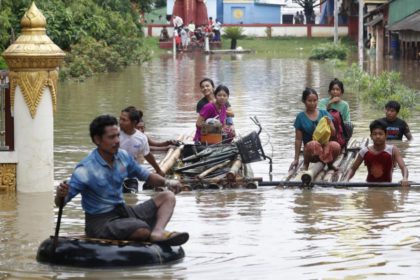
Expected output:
(307, 92)
(393, 105)
(378, 124)
(97, 126)
(133, 114)
(207, 80)
(338, 83)
(220, 88)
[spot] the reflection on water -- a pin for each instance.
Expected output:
(251, 234)
(408, 69)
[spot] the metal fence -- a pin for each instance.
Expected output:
(4, 84)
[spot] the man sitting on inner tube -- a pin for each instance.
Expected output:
(99, 178)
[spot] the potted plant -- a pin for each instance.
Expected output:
(233, 33)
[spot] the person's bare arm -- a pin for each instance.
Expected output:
(398, 158)
(200, 121)
(332, 127)
(61, 193)
(157, 181)
(298, 146)
(151, 159)
(229, 112)
(161, 144)
(409, 136)
(333, 100)
(354, 167)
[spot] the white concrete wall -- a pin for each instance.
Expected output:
(296, 31)
(328, 31)
(35, 168)
(8, 157)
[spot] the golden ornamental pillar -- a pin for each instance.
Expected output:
(33, 61)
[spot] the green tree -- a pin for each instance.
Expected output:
(160, 3)
(99, 35)
(143, 6)
(308, 9)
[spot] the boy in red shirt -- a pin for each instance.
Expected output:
(380, 157)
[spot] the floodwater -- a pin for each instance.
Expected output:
(268, 233)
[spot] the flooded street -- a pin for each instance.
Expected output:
(268, 233)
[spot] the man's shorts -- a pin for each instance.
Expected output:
(122, 222)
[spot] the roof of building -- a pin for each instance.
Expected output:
(411, 22)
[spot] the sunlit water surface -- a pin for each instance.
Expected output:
(266, 233)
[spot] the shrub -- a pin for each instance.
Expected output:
(97, 35)
(356, 78)
(378, 90)
(3, 64)
(233, 32)
(329, 51)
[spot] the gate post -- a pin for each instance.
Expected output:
(33, 61)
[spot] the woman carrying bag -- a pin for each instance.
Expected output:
(317, 148)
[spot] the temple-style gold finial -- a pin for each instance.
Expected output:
(33, 49)
(33, 18)
(33, 60)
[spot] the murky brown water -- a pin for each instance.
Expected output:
(235, 234)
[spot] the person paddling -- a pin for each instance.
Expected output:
(99, 177)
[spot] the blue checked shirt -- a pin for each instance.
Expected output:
(99, 184)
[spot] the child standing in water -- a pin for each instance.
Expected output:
(395, 126)
(380, 157)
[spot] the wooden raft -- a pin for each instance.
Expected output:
(217, 166)
(319, 171)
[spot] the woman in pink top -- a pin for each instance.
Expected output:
(213, 110)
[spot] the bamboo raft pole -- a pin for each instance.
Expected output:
(181, 138)
(172, 157)
(234, 169)
(316, 171)
(211, 169)
(310, 174)
(334, 184)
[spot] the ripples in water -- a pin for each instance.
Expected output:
(251, 234)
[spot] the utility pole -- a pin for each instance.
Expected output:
(360, 42)
(335, 21)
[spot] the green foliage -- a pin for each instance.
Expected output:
(160, 3)
(329, 51)
(357, 78)
(99, 35)
(3, 64)
(378, 90)
(144, 6)
(233, 32)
